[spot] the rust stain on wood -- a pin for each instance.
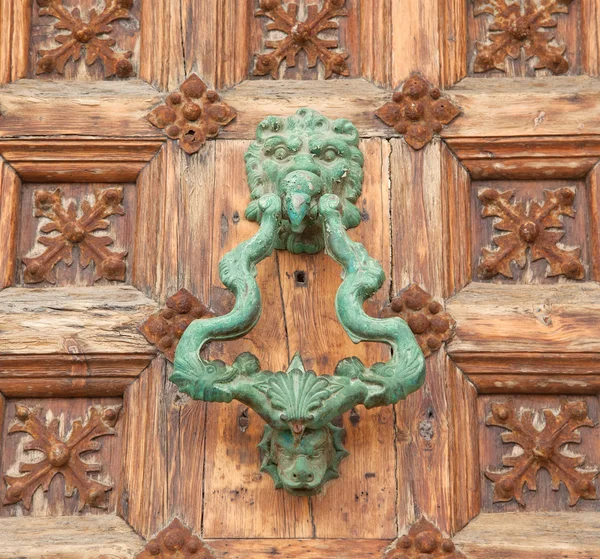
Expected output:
(61, 456)
(85, 36)
(302, 36)
(542, 449)
(76, 231)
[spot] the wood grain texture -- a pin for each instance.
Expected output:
(54, 503)
(367, 482)
(354, 99)
(155, 267)
(298, 549)
(78, 160)
(527, 338)
(374, 42)
(94, 336)
(69, 537)
(15, 24)
(492, 450)
(415, 40)
(143, 490)
(590, 38)
(240, 501)
(531, 536)
(416, 191)
(233, 47)
(161, 43)
(464, 448)
(524, 107)
(593, 191)
(422, 421)
(453, 42)
(457, 223)
(104, 108)
(10, 198)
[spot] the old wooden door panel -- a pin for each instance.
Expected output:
(526, 343)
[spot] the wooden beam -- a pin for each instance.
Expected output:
(562, 535)
(68, 537)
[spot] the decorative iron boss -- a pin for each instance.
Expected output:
(305, 173)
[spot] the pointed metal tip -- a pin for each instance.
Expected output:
(296, 363)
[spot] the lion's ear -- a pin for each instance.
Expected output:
(345, 128)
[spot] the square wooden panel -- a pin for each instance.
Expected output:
(492, 450)
(528, 193)
(120, 231)
(125, 32)
(567, 33)
(66, 412)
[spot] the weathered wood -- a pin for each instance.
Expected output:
(533, 535)
(10, 198)
(525, 107)
(464, 448)
(457, 231)
(95, 336)
(296, 549)
(68, 537)
(422, 421)
(161, 46)
(593, 189)
(143, 490)
(492, 450)
(309, 284)
(155, 266)
(527, 337)
(415, 40)
(15, 24)
(590, 59)
(104, 108)
(375, 38)
(354, 99)
(80, 160)
(54, 503)
(232, 471)
(453, 41)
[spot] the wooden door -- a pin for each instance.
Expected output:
(480, 125)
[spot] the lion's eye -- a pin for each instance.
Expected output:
(280, 153)
(329, 154)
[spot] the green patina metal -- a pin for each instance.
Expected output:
(304, 172)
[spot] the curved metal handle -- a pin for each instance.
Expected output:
(302, 447)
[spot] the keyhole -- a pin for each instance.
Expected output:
(300, 277)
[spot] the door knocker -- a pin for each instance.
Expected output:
(305, 173)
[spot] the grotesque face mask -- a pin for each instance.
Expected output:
(302, 464)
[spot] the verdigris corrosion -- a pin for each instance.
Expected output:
(305, 173)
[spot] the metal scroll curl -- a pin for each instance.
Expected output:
(305, 172)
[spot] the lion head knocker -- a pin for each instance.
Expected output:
(300, 158)
(305, 173)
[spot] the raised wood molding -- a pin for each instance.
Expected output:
(51, 160)
(528, 338)
(68, 537)
(547, 535)
(93, 349)
(523, 157)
